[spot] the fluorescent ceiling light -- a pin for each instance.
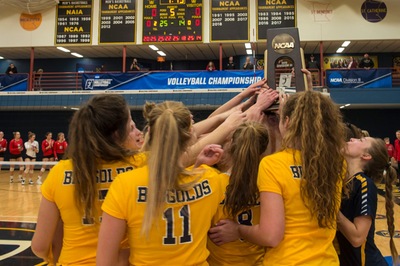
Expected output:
(161, 53)
(153, 47)
(341, 107)
(345, 43)
(247, 45)
(74, 108)
(63, 49)
(1, 57)
(341, 49)
(347, 105)
(77, 55)
(248, 51)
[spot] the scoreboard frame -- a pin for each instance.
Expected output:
(158, 6)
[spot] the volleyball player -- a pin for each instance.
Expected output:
(102, 134)
(16, 147)
(300, 187)
(368, 164)
(3, 147)
(31, 148)
(244, 151)
(165, 208)
(60, 146)
(48, 154)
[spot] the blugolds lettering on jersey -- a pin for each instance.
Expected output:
(124, 169)
(142, 194)
(104, 176)
(68, 178)
(198, 191)
(297, 171)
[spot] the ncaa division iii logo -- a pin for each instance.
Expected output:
(335, 79)
(89, 84)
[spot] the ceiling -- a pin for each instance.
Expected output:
(208, 51)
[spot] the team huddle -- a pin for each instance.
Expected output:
(249, 185)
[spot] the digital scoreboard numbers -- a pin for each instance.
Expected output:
(172, 21)
(74, 22)
(229, 20)
(274, 14)
(117, 21)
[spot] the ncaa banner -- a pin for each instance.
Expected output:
(359, 78)
(171, 80)
(106, 81)
(14, 82)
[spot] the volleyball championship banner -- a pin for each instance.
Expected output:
(359, 78)
(171, 80)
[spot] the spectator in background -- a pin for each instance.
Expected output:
(342, 63)
(210, 66)
(389, 147)
(37, 75)
(135, 66)
(230, 64)
(60, 146)
(11, 69)
(366, 62)
(3, 147)
(248, 65)
(397, 151)
(312, 63)
(352, 63)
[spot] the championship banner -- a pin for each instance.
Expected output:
(171, 80)
(359, 78)
(14, 82)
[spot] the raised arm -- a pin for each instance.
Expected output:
(248, 92)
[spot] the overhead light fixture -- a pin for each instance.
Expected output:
(339, 50)
(74, 108)
(77, 55)
(249, 51)
(345, 43)
(63, 49)
(247, 45)
(347, 104)
(341, 107)
(153, 47)
(1, 57)
(161, 53)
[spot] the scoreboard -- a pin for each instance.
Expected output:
(172, 21)
(274, 14)
(229, 20)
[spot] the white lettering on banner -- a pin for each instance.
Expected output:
(233, 80)
(213, 81)
(186, 81)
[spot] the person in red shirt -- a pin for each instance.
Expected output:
(48, 154)
(3, 147)
(16, 147)
(60, 146)
(389, 147)
(210, 66)
(397, 151)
